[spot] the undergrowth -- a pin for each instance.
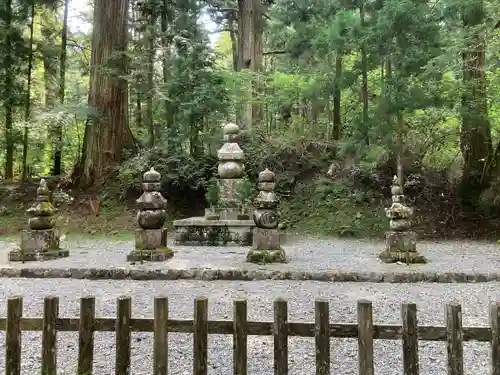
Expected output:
(333, 208)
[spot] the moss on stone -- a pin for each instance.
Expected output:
(408, 257)
(155, 255)
(266, 256)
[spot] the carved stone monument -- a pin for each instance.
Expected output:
(400, 241)
(41, 240)
(151, 237)
(223, 224)
(231, 169)
(266, 237)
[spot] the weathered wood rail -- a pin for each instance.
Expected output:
(240, 328)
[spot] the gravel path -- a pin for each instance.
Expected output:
(387, 298)
(309, 255)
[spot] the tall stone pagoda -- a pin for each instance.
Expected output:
(224, 223)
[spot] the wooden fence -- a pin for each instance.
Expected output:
(240, 328)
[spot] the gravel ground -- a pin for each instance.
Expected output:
(430, 299)
(310, 255)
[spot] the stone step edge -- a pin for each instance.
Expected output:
(247, 275)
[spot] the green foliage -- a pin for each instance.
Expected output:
(246, 191)
(329, 207)
(212, 194)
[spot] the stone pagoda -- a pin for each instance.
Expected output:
(231, 171)
(266, 237)
(222, 224)
(151, 237)
(41, 240)
(400, 240)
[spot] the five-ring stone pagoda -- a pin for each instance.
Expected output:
(227, 227)
(400, 240)
(41, 240)
(266, 237)
(151, 236)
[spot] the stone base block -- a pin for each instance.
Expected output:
(198, 231)
(17, 255)
(266, 239)
(266, 256)
(150, 239)
(401, 247)
(401, 241)
(403, 257)
(156, 255)
(37, 241)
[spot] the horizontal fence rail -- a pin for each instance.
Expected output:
(409, 332)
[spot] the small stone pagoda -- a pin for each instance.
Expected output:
(41, 240)
(151, 237)
(400, 241)
(223, 224)
(266, 237)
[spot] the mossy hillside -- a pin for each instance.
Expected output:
(329, 207)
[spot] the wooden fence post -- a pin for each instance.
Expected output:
(495, 338)
(365, 337)
(322, 337)
(160, 334)
(123, 336)
(86, 335)
(280, 337)
(49, 335)
(240, 366)
(410, 339)
(200, 336)
(454, 339)
(13, 336)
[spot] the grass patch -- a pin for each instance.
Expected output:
(333, 208)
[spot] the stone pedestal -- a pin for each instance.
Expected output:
(38, 245)
(266, 247)
(150, 239)
(401, 247)
(150, 244)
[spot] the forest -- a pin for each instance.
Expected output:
(335, 96)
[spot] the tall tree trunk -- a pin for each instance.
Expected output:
(27, 104)
(57, 169)
(231, 19)
(8, 92)
(109, 133)
(364, 81)
(475, 139)
(246, 56)
(151, 36)
(258, 31)
(165, 19)
(337, 120)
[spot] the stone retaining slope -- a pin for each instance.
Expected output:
(329, 260)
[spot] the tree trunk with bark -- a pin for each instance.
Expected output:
(57, 168)
(8, 92)
(475, 140)
(108, 133)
